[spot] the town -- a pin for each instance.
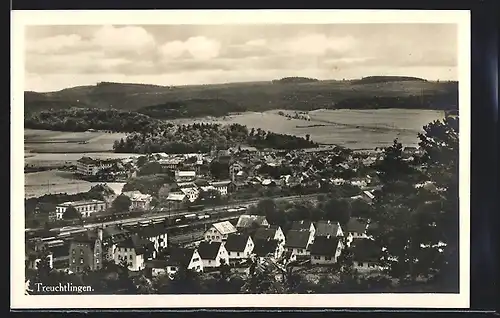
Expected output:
(219, 222)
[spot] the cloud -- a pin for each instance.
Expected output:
(316, 44)
(257, 42)
(123, 39)
(53, 44)
(198, 47)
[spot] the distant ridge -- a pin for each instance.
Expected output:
(221, 99)
(384, 79)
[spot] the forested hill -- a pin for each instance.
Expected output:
(217, 100)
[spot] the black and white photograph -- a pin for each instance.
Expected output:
(293, 154)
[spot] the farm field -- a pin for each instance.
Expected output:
(357, 129)
(55, 181)
(44, 141)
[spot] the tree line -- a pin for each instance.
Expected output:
(201, 137)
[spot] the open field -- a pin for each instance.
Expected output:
(45, 141)
(59, 159)
(55, 181)
(357, 129)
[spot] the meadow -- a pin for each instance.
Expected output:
(54, 181)
(45, 141)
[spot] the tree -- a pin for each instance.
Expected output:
(121, 203)
(71, 213)
(440, 144)
(338, 210)
(150, 168)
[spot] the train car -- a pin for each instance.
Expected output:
(203, 216)
(198, 207)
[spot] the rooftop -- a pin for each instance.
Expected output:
(297, 239)
(324, 246)
(236, 242)
(225, 227)
(81, 202)
(209, 250)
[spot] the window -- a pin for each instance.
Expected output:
(73, 252)
(328, 258)
(238, 254)
(209, 262)
(317, 257)
(360, 264)
(74, 260)
(97, 260)
(81, 260)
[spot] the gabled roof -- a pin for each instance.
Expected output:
(264, 233)
(246, 221)
(263, 248)
(356, 225)
(139, 244)
(365, 250)
(178, 256)
(301, 225)
(236, 242)
(325, 228)
(324, 246)
(297, 239)
(224, 227)
(209, 250)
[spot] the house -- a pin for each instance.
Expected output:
(184, 176)
(139, 201)
(35, 252)
(268, 248)
(367, 196)
(135, 251)
(112, 235)
(223, 187)
(325, 250)
(248, 221)
(356, 228)
(365, 255)
(177, 257)
(85, 251)
(192, 194)
(270, 232)
(239, 246)
(218, 232)
(235, 168)
(175, 201)
(213, 254)
(156, 267)
(304, 225)
(297, 243)
(328, 228)
(171, 163)
(87, 166)
(157, 234)
(60, 255)
(85, 207)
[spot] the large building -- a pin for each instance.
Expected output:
(85, 207)
(87, 166)
(85, 252)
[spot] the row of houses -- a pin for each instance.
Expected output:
(253, 237)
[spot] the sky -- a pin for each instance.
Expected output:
(58, 57)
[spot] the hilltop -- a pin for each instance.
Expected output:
(217, 100)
